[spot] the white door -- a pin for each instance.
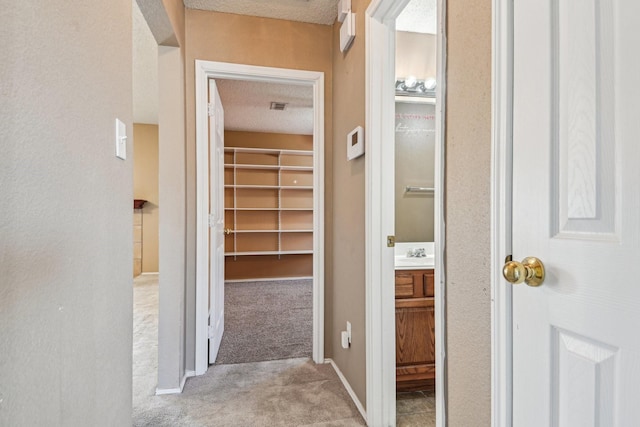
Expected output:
(216, 221)
(576, 207)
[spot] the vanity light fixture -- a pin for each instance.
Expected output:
(410, 86)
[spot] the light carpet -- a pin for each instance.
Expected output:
(293, 392)
(267, 320)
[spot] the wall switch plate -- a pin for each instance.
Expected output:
(347, 31)
(121, 140)
(349, 331)
(344, 7)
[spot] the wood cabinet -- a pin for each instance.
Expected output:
(415, 330)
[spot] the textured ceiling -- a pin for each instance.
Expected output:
(247, 103)
(418, 17)
(312, 11)
(145, 71)
(246, 107)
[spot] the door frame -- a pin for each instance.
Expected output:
(204, 70)
(379, 177)
(501, 225)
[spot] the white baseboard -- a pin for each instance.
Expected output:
(147, 273)
(178, 390)
(269, 279)
(347, 386)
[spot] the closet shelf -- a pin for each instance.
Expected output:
(268, 209)
(301, 252)
(272, 187)
(268, 151)
(271, 231)
(269, 167)
(279, 180)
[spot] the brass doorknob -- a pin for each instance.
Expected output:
(530, 271)
(227, 231)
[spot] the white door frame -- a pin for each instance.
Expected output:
(222, 70)
(380, 308)
(501, 191)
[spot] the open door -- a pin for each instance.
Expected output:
(216, 221)
(576, 207)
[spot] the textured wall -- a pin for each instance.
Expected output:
(172, 232)
(348, 298)
(467, 212)
(145, 186)
(66, 214)
(255, 41)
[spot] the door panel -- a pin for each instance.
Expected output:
(216, 224)
(576, 206)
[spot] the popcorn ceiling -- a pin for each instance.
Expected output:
(311, 11)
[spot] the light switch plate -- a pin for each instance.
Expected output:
(121, 140)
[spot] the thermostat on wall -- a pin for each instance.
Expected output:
(355, 143)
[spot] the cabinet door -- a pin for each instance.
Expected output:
(415, 334)
(427, 283)
(404, 285)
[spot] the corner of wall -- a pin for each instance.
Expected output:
(348, 199)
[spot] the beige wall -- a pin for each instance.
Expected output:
(267, 140)
(175, 12)
(348, 296)
(172, 344)
(467, 212)
(66, 214)
(145, 186)
(266, 42)
(414, 166)
(416, 55)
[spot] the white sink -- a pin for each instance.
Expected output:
(403, 262)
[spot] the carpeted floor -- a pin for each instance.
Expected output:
(291, 392)
(267, 320)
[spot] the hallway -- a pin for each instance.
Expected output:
(291, 392)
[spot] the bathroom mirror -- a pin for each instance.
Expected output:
(414, 170)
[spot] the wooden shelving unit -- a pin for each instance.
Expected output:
(268, 201)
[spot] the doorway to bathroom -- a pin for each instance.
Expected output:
(414, 260)
(405, 381)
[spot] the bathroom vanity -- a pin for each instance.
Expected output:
(415, 325)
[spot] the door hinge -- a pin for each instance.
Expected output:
(210, 331)
(391, 241)
(211, 109)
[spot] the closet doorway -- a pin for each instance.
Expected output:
(269, 177)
